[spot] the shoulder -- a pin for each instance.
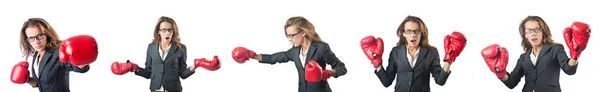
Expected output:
(557, 47)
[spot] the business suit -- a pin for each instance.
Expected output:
(53, 74)
(318, 51)
(544, 75)
(165, 73)
(409, 79)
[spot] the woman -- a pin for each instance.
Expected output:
(308, 49)
(413, 59)
(40, 40)
(542, 60)
(165, 59)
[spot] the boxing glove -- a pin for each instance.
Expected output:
(123, 68)
(211, 65)
(79, 50)
(577, 37)
(454, 45)
(496, 58)
(373, 48)
(20, 74)
(241, 54)
(314, 72)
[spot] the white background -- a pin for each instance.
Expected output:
(124, 28)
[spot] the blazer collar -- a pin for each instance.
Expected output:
(172, 50)
(542, 52)
(44, 60)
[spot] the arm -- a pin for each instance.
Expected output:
(279, 57)
(32, 82)
(339, 68)
(387, 77)
(145, 72)
(512, 79)
(568, 65)
(184, 72)
(439, 75)
(71, 67)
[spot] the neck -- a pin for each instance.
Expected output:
(165, 43)
(305, 45)
(413, 48)
(536, 48)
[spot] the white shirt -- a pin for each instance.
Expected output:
(410, 59)
(533, 58)
(302, 57)
(36, 66)
(160, 52)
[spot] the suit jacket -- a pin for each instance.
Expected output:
(53, 75)
(165, 73)
(544, 76)
(412, 79)
(317, 51)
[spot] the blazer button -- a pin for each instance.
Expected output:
(408, 83)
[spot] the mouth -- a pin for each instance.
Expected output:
(413, 40)
(167, 38)
(534, 39)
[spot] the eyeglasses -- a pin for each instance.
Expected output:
(166, 30)
(412, 32)
(533, 30)
(37, 37)
(292, 35)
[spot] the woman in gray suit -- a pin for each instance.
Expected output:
(542, 60)
(307, 47)
(413, 59)
(166, 59)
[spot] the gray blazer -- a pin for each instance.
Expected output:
(53, 75)
(412, 79)
(545, 75)
(165, 73)
(319, 52)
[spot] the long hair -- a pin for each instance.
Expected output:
(52, 39)
(303, 26)
(175, 39)
(424, 34)
(546, 35)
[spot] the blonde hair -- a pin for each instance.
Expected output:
(303, 26)
(424, 34)
(175, 39)
(52, 39)
(546, 35)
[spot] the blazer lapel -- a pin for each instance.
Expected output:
(311, 52)
(171, 51)
(403, 60)
(44, 61)
(295, 52)
(422, 53)
(545, 49)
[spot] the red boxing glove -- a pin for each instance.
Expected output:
(454, 45)
(241, 54)
(123, 68)
(496, 58)
(577, 37)
(314, 72)
(373, 49)
(211, 65)
(20, 74)
(79, 50)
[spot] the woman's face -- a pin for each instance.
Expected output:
(412, 34)
(166, 31)
(294, 35)
(533, 33)
(36, 39)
